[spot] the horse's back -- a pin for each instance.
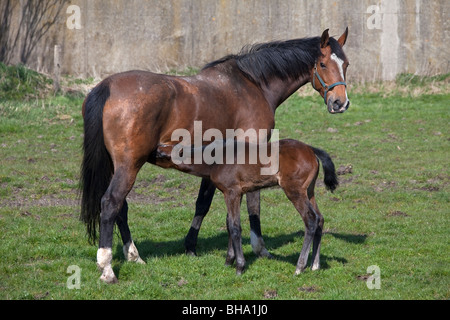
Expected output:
(145, 108)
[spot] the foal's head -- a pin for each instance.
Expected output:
(328, 74)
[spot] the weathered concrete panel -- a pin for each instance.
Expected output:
(386, 37)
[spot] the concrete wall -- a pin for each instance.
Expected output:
(386, 37)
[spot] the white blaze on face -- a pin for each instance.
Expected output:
(340, 64)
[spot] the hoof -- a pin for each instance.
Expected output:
(108, 275)
(239, 270)
(139, 261)
(298, 271)
(258, 246)
(131, 253)
(109, 280)
(191, 253)
(265, 254)
(229, 261)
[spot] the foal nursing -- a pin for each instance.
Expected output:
(298, 168)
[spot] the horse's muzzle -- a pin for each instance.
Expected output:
(337, 107)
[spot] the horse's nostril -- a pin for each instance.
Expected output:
(337, 105)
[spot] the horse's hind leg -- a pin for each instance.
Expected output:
(315, 265)
(304, 207)
(311, 222)
(111, 204)
(129, 249)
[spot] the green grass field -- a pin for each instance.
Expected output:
(391, 210)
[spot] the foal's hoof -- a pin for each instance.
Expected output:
(239, 271)
(229, 261)
(298, 271)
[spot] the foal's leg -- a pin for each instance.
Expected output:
(129, 249)
(230, 251)
(111, 205)
(317, 237)
(233, 201)
(205, 196)
(303, 206)
(311, 223)
(256, 239)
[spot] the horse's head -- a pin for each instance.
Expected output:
(328, 74)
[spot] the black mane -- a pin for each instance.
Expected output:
(282, 59)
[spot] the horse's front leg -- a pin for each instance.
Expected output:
(256, 239)
(205, 196)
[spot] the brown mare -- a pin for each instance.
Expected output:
(128, 115)
(298, 168)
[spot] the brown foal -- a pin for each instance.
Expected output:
(298, 168)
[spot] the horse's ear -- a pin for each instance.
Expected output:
(342, 39)
(324, 39)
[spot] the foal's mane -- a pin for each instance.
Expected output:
(281, 59)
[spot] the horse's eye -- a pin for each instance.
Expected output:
(322, 65)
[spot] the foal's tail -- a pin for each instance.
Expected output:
(330, 178)
(97, 166)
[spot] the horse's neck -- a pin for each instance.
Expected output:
(277, 91)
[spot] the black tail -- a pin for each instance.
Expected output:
(330, 179)
(97, 167)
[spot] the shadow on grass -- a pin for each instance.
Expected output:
(150, 249)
